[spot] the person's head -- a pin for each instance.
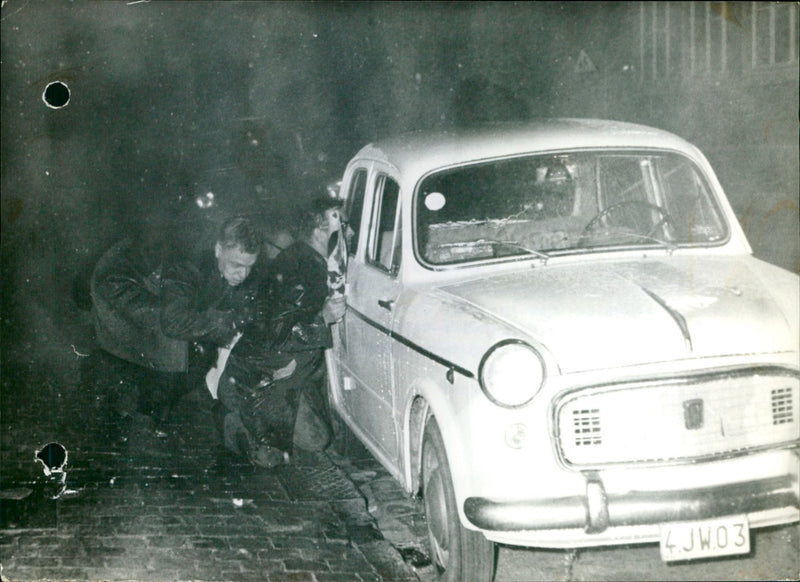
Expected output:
(317, 220)
(275, 242)
(320, 218)
(237, 248)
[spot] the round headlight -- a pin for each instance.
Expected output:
(511, 373)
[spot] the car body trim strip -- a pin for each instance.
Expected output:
(408, 343)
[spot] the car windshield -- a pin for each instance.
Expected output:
(553, 204)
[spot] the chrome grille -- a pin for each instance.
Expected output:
(586, 426)
(782, 405)
(647, 422)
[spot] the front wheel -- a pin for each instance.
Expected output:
(459, 554)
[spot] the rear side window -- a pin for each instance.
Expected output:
(384, 252)
(355, 206)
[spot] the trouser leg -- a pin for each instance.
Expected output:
(218, 413)
(312, 430)
(267, 412)
(247, 426)
(226, 413)
(161, 392)
(269, 415)
(122, 381)
(286, 412)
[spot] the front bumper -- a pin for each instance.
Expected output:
(596, 511)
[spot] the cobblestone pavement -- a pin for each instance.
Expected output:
(140, 507)
(133, 507)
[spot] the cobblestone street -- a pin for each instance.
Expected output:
(178, 507)
(181, 508)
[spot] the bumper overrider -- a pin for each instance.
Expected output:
(596, 511)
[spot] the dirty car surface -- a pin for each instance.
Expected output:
(557, 334)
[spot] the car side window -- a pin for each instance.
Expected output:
(384, 248)
(355, 206)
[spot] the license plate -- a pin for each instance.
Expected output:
(705, 539)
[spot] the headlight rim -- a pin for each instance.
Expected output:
(499, 345)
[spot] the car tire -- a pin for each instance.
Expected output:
(459, 554)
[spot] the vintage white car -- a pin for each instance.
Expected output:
(557, 334)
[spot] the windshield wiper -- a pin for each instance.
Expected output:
(516, 245)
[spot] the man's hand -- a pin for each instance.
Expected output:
(286, 371)
(245, 313)
(334, 308)
(279, 374)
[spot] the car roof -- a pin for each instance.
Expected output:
(422, 151)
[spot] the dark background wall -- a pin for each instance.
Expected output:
(262, 102)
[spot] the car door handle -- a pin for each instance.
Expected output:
(386, 303)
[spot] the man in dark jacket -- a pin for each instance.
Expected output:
(278, 364)
(206, 302)
(147, 310)
(143, 367)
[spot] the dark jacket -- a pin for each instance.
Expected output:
(126, 305)
(198, 304)
(289, 319)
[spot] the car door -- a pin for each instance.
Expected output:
(365, 352)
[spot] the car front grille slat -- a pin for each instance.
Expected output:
(586, 426)
(678, 419)
(782, 405)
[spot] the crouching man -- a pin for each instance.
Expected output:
(143, 368)
(206, 302)
(277, 367)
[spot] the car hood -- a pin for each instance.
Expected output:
(644, 311)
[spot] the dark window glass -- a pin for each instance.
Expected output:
(355, 205)
(386, 239)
